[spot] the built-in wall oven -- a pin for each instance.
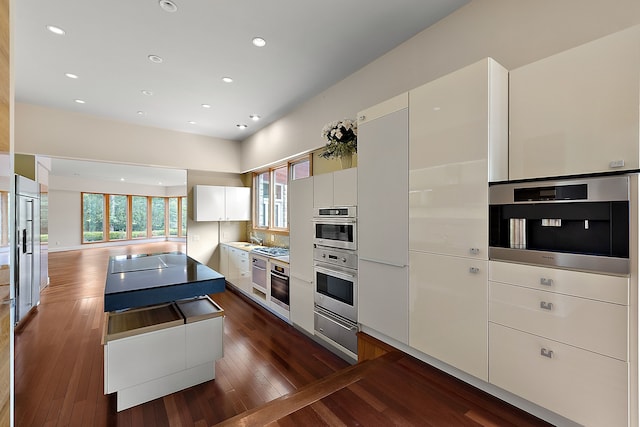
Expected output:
(335, 227)
(279, 294)
(336, 295)
(580, 223)
(259, 273)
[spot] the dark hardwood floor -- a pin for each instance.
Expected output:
(270, 373)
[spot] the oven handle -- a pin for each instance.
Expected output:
(329, 220)
(282, 276)
(333, 271)
(330, 317)
(259, 268)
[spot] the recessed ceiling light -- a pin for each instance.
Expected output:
(140, 113)
(121, 179)
(79, 101)
(56, 30)
(71, 75)
(227, 79)
(191, 122)
(206, 106)
(241, 126)
(159, 182)
(168, 5)
(146, 92)
(259, 42)
(155, 58)
(254, 117)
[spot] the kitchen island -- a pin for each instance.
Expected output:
(146, 279)
(162, 332)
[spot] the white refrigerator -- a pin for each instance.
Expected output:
(27, 236)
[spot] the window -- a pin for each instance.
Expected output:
(131, 217)
(92, 217)
(118, 218)
(280, 181)
(173, 216)
(270, 193)
(262, 200)
(158, 216)
(301, 169)
(139, 215)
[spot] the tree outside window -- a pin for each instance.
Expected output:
(118, 217)
(183, 210)
(173, 216)
(139, 215)
(158, 216)
(92, 217)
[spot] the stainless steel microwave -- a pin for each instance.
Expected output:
(580, 224)
(336, 227)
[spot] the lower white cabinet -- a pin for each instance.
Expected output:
(154, 351)
(560, 339)
(583, 386)
(301, 303)
(383, 298)
(448, 310)
(237, 269)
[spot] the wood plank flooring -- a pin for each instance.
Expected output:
(270, 373)
(59, 378)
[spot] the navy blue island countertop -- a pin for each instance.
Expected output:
(148, 279)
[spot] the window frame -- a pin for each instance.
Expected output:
(129, 212)
(290, 164)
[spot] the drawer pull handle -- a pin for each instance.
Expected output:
(546, 353)
(546, 282)
(546, 305)
(474, 270)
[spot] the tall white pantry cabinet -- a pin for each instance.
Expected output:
(424, 162)
(458, 142)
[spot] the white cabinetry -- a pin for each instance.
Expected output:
(577, 112)
(560, 339)
(383, 241)
(448, 313)
(338, 188)
(301, 252)
(458, 143)
(458, 140)
(155, 351)
(215, 203)
(235, 266)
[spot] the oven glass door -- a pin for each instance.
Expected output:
(341, 234)
(336, 291)
(280, 290)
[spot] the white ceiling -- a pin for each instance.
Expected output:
(310, 46)
(113, 172)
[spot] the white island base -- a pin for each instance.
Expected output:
(155, 351)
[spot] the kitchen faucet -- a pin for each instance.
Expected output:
(255, 239)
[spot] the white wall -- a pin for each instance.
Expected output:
(56, 133)
(514, 33)
(65, 206)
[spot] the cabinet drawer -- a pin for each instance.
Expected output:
(593, 325)
(586, 387)
(601, 287)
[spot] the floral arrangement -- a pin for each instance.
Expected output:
(342, 136)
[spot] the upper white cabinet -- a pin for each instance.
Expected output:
(383, 204)
(338, 188)
(577, 112)
(215, 203)
(458, 142)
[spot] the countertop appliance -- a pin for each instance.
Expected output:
(580, 224)
(27, 235)
(336, 296)
(335, 227)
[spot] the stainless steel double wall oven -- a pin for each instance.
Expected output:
(336, 275)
